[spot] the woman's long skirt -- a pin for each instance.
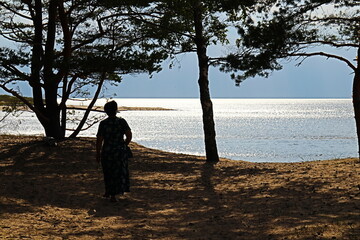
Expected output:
(116, 172)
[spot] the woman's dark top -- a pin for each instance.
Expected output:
(113, 130)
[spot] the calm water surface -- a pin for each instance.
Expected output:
(257, 130)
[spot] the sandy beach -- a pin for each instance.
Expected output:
(55, 193)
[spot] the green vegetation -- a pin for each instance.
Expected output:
(7, 100)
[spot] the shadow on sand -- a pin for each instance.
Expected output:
(174, 196)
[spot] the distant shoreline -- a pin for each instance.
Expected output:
(121, 108)
(98, 108)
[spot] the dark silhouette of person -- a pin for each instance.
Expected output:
(111, 152)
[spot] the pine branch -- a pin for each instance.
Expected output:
(352, 66)
(330, 43)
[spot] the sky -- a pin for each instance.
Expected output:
(316, 77)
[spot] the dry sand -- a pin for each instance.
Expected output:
(55, 193)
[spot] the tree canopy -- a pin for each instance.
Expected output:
(60, 48)
(296, 29)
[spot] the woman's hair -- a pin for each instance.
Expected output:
(111, 108)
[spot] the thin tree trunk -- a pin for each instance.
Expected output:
(64, 69)
(207, 107)
(356, 99)
(62, 106)
(87, 112)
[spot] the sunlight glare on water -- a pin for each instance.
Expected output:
(258, 130)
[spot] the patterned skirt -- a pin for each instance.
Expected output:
(116, 172)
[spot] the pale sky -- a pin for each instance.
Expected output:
(317, 77)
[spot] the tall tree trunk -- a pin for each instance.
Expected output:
(51, 81)
(36, 64)
(356, 99)
(206, 104)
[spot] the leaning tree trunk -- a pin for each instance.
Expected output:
(89, 108)
(356, 99)
(207, 107)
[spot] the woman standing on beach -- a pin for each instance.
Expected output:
(111, 152)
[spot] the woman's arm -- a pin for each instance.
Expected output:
(99, 141)
(128, 137)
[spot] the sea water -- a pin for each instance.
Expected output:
(257, 130)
